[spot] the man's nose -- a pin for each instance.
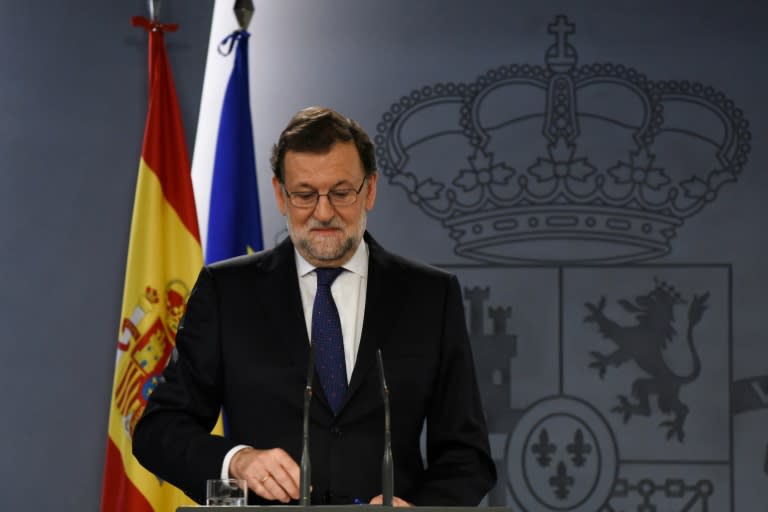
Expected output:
(324, 209)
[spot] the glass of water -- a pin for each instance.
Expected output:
(229, 492)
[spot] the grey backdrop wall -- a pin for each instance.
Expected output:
(594, 181)
(590, 171)
(73, 105)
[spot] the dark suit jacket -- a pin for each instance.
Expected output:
(243, 346)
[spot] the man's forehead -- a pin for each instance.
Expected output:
(340, 163)
(339, 147)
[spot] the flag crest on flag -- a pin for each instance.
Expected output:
(164, 258)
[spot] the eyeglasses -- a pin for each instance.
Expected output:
(337, 197)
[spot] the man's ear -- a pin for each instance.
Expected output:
(279, 195)
(370, 196)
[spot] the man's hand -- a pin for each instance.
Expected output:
(272, 474)
(396, 502)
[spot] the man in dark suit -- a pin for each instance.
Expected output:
(244, 342)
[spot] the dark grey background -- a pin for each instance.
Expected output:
(73, 104)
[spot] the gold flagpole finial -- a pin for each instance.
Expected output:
(243, 12)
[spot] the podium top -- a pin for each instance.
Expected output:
(335, 508)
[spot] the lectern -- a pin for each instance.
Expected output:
(338, 508)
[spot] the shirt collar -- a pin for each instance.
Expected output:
(357, 264)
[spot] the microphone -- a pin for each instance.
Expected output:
(387, 465)
(305, 467)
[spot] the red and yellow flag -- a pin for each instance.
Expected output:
(164, 258)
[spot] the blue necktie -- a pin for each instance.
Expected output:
(327, 340)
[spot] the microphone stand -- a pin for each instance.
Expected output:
(387, 465)
(305, 475)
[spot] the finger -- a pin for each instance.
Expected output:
(278, 465)
(258, 474)
(274, 491)
(396, 502)
(399, 502)
(286, 472)
(286, 481)
(268, 489)
(256, 478)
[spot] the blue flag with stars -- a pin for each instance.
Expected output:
(234, 219)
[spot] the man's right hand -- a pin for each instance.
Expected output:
(272, 474)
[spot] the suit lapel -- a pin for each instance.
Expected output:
(381, 307)
(282, 302)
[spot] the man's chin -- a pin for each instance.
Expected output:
(326, 255)
(328, 243)
(325, 251)
(321, 250)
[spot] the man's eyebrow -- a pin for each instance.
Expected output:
(341, 183)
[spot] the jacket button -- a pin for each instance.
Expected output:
(336, 431)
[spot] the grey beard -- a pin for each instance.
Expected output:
(347, 246)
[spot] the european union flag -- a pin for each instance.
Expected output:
(234, 220)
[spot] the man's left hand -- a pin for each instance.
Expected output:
(396, 502)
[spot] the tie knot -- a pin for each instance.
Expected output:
(326, 276)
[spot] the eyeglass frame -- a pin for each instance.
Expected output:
(328, 195)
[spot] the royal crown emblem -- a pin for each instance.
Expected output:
(580, 163)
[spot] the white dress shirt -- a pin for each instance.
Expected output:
(348, 292)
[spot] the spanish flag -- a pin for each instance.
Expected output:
(164, 258)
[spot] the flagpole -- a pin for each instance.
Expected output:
(154, 10)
